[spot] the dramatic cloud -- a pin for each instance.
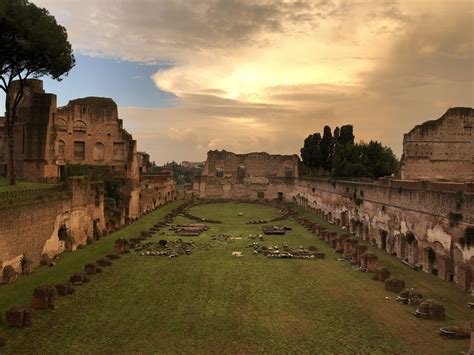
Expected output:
(262, 75)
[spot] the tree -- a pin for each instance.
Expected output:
(33, 45)
(364, 160)
(311, 152)
(327, 148)
(346, 135)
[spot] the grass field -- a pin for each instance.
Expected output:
(211, 302)
(20, 185)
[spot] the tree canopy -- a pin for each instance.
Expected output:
(33, 45)
(338, 155)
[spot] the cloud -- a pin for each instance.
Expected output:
(262, 75)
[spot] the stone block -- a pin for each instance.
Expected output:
(77, 279)
(103, 262)
(19, 317)
(381, 274)
(62, 289)
(44, 297)
(90, 268)
(394, 285)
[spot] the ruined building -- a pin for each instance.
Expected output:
(426, 224)
(246, 176)
(441, 149)
(85, 137)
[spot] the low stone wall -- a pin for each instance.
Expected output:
(46, 221)
(416, 225)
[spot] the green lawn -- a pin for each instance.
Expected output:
(20, 185)
(211, 302)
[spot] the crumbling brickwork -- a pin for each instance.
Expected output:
(441, 149)
(404, 218)
(248, 176)
(37, 222)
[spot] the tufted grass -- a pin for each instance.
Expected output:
(213, 303)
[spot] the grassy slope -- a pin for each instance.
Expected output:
(210, 302)
(20, 185)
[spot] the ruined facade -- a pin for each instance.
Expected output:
(246, 176)
(414, 221)
(50, 142)
(441, 149)
(87, 131)
(426, 223)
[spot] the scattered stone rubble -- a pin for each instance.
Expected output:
(285, 252)
(275, 230)
(431, 309)
(189, 230)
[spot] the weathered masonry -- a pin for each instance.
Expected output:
(441, 149)
(48, 221)
(246, 176)
(421, 223)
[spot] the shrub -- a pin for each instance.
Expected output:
(25, 264)
(45, 260)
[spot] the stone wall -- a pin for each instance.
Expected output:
(441, 149)
(252, 164)
(156, 190)
(406, 222)
(32, 219)
(246, 176)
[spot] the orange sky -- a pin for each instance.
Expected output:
(262, 75)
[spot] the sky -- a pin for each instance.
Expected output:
(261, 75)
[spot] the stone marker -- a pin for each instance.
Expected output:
(431, 309)
(19, 317)
(77, 279)
(381, 274)
(44, 297)
(90, 268)
(394, 285)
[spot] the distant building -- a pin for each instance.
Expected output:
(193, 165)
(441, 149)
(249, 176)
(144, 164)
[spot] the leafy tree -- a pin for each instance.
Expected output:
(364, 160)
(311, 152)
(33, 45)
(346, 135)
(327, 148)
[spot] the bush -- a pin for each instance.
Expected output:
(25, 264)
(45, 260)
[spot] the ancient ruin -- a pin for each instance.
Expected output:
(426, 223)
(85, 138)
(246, 176)
(441, 149)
